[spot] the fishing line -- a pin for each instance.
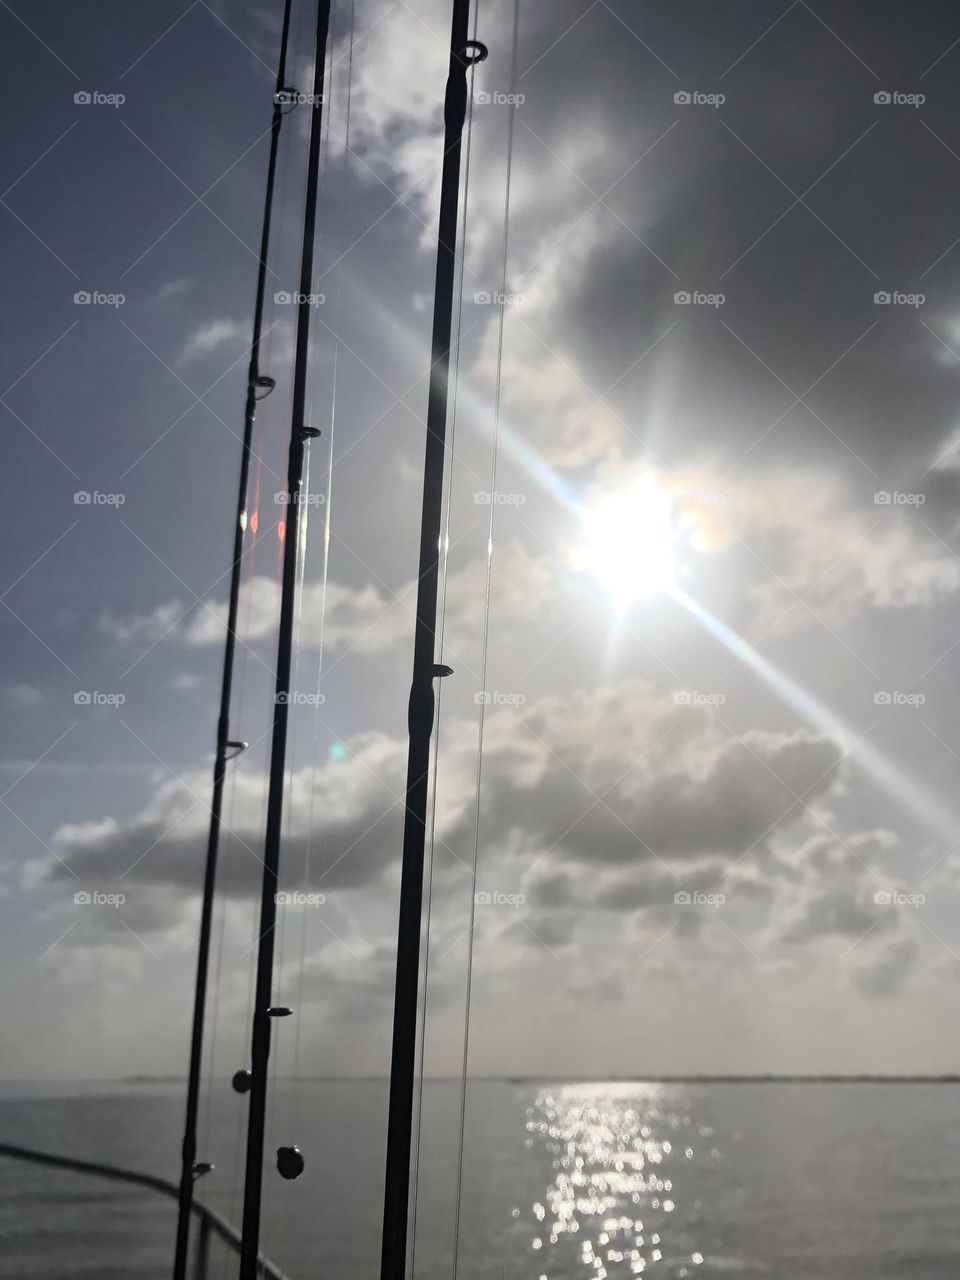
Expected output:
(279, 239)
(249, 571)
(250, 950)
(265, 1012)
(328, 516)
(464, 54)
(235, 1185)
(256, 527)
(284, 1112)
(227, 746)
(290, 1104)
(505, 246)
(302, 565)
(422, 1015)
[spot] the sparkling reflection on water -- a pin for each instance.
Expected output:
(618, 1155)
(568, 1181)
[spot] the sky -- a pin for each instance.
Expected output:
(701, 733)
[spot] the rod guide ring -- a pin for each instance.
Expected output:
(474, 51)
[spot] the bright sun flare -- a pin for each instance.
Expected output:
(629, 544)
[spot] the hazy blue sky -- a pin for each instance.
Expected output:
(733, 286)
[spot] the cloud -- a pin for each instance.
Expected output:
(798, 550)
(623, 774)
(803, 546)
(211, 335)
(336, 616)
(603, 990)
(23, 695)
(170, 289)
(816, 896)
(698, 808)
(368, 619)
(348, 980)
(889, 969)
(341, 811)
(555, 788)
(144, 628)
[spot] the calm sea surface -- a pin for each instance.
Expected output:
(792, 1181)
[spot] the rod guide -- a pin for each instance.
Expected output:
(474, 51)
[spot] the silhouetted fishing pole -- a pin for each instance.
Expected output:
(258, 386)
(464, 53)
(289, 1160)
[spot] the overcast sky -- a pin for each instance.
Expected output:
(732, 282)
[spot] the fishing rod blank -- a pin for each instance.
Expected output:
(258, 386)
(464, 53)
(289, 1161)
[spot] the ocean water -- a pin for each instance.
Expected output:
(563, 1181)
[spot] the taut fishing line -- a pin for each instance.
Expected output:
(256, 526)
(505, 245)
(428, 897)
(342, 224)
(284, 1112)
(204, 1031)
(279, 237)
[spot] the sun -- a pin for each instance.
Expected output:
(628, 543)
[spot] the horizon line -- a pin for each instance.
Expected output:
(687, 1078)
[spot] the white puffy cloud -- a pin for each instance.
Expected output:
(368, 619)
(210, 336)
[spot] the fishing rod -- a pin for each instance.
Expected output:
(258, 387)
(289, 1160)
(464, 53)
